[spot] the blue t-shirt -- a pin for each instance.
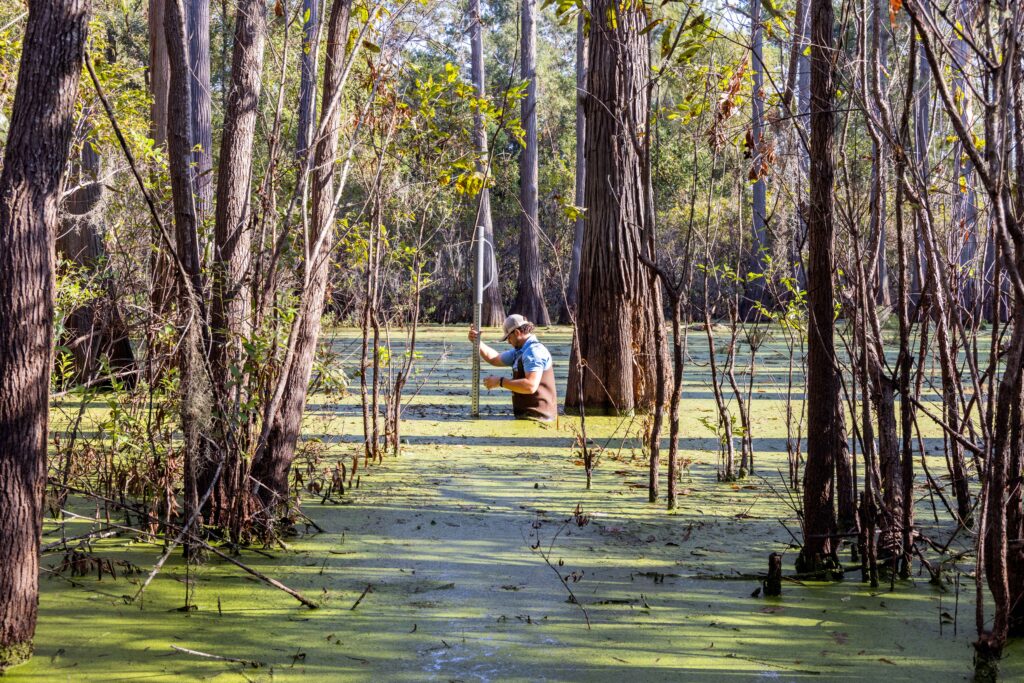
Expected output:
(535, 356)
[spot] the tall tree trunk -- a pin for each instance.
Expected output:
(1015, 497)
(965, 206)
(273, 460)
(196, 406)
(34, 161)
(230, 315)
(530, 286)
(879, 73)
(161, 271)
(616, 327)
(1003, 562)
(572, 287)
(198, 14)
(803, 92)
(755, 289)
(493, 312)
(307, 82)
(1001, 524)
(942, 311)
(905, 360)
(159, 72)
(922, 113)
(824, 432)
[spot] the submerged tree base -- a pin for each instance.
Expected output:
(987, 653)
(13, 655)
(602, 411)
(823, 569)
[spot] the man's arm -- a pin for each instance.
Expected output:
(526, 385)
(486, 352)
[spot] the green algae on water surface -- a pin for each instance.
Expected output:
(446, 533)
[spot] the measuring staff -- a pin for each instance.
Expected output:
(533, 378)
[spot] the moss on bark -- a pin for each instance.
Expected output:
(14, 654)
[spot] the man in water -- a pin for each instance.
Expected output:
(533, 380)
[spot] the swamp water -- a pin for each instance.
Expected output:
(444, 534)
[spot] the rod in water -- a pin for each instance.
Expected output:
(478, 303)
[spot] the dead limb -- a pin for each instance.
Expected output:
(547, 560)
(368, 589)
(185, 532)
(102, 533)
(219, 553)
(196, 653)
(956, 436)
(259, 575)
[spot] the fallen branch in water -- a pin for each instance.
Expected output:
(196, 653)
(547, 560)
(92, 535)
(774, 665)
(368, 589)
(192, 536)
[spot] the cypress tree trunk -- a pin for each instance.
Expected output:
(273, 460)
(803, 91)
(161, 272)
(1004, 564)
(922, 113)
(572, 287)
(196, 405)
(307, 83)
(493, 312)
(879, 71)
(230, 319)
(159, 72)
(198, 14)
(824, 431)
(619, 308)
(755, 288)
(30, 184)
(529, 287)
(965, 207)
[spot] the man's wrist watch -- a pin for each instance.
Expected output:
(501, 382)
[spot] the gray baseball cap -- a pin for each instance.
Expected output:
(513, 323)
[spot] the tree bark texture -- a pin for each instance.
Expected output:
(529, 286)
(879, 71)
(572, 287)
(307, 82)
(803, 92)
(493, 313)
(759, 232)
(198, 14)
(159, 72)
(30, 183)
(823, 428)
(161, 272)
(1004, 562)
(273, 460)
(922, 132)
(195, 393)
(965, 208)
(230, 318)
(618, 309)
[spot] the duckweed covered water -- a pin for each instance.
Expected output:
(444, 534)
